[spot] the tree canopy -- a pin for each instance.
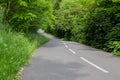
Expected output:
(93, 22)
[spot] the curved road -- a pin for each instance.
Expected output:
(65, 60)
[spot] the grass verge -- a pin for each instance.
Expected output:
(15, 51)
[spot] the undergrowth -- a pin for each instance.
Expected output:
(16, 50)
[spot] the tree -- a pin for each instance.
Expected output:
(25, 15)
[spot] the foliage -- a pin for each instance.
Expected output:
(115, 45)
(16, 48)
(93, 22)
(103, 24)
(36, 37)
(1, 16)
(26, 15)
(67, 20)
(15, 51)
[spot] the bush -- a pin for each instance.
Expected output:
(93, 22)
(115, 46)
(68, 21)
(114, 34)
(103, 25)
(78, 34)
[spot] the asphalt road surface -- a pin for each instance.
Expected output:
(65, 60)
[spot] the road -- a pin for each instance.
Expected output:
(65, 60)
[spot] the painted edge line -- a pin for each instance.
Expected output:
(72, 51)
(101, 69)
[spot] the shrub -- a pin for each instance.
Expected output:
(103, 25)
(114, 34)
(115, 45)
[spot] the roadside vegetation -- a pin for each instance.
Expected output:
(19, 22)
(15, 51)
(92, 22)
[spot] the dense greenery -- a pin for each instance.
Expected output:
(19, 21)
(15, 51)
(93, 22)
(26, 15)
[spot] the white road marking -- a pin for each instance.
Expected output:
(101, 69)
(72, 51)
(65, 45)
(69, 49)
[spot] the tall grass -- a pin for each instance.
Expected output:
(15, 51)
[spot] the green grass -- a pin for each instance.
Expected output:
(15, 51)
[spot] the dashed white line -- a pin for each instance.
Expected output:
(92, 64)
(69, 49)
(65, 45)
(72, 51)
(101, 69)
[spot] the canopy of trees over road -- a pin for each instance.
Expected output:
(93, 22)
